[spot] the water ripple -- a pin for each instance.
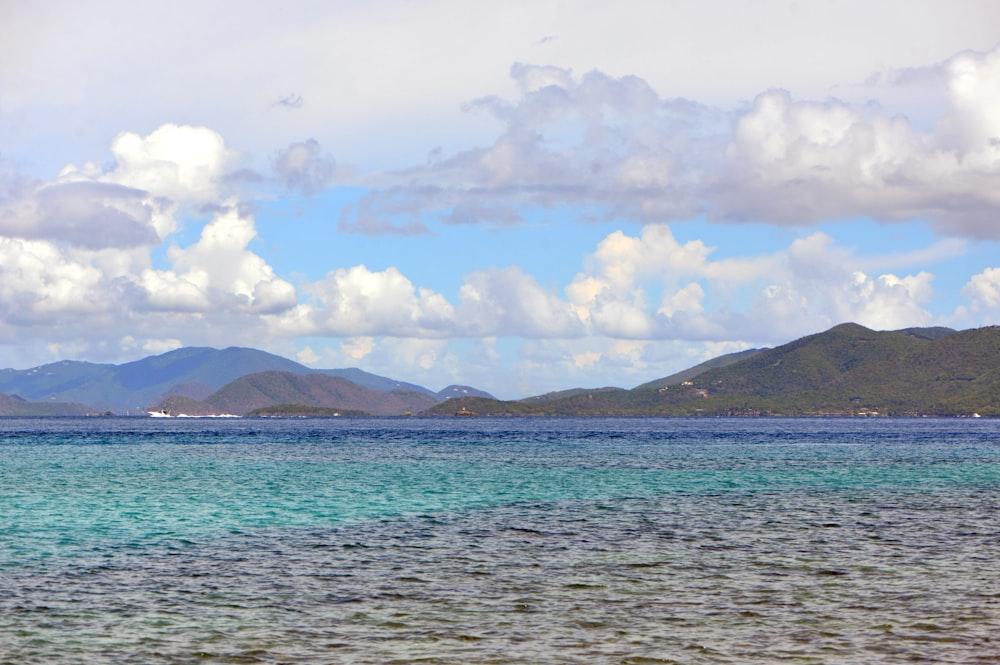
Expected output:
(282, 543)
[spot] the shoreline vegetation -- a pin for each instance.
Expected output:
(847, 371)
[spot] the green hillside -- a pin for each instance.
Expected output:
(688, 374)
(851, 369)
(847, 370)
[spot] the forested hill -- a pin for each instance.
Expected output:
(847, 370)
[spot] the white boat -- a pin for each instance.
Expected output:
(159, 414)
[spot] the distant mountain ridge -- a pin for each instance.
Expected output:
(256, 391)
(454, 391)
(291, 394)
(847, 370)
(192, 372)
(11, 405)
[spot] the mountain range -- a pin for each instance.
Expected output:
(193, 373)
(847, 370)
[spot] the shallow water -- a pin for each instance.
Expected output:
(499, 540)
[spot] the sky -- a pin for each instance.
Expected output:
(520, 196)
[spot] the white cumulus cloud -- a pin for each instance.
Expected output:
(796, 162)
(504, 302)
(356, 302)
(220, 268)
(983, 294)
(629, 152)
(183, 163)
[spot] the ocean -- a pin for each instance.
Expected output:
(508, 540)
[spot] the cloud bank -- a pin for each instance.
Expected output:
(615, 144)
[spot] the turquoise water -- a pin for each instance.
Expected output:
(499, 540)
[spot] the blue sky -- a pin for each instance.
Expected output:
(518, 196)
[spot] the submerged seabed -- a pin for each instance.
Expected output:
(499, 541)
